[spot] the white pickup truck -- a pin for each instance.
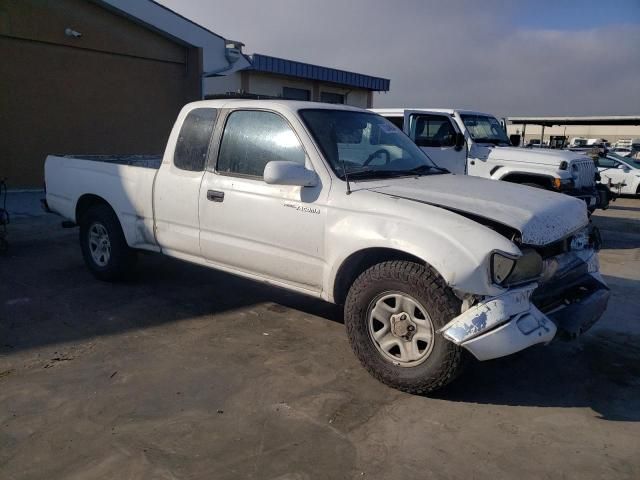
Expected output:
(475, 143)
(337, 203)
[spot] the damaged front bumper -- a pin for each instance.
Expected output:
(564, 306)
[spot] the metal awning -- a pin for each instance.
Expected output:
(291, 68)
(587, 120)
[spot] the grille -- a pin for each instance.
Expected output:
(586, 171)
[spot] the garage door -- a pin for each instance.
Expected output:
(116, 88)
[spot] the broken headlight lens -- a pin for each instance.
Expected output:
(509, 271)
(501, 267)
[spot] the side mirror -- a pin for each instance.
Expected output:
(622, 166)
(281, 172)
(515, 140)
(459, 141)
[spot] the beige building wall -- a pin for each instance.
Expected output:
(259, 83)
(222, 85)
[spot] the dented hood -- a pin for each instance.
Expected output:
(540, 216)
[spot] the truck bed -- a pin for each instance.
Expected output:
(125, 182)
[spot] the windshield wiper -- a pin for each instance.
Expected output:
(365, 174)
(379, 173)
(427, 170)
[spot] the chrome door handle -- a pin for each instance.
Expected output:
(215, 195)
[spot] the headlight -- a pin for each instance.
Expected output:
(560, 183)
(507, 270)
(501, 267)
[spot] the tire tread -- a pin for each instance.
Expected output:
(447, 305)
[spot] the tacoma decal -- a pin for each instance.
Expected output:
(302, 208)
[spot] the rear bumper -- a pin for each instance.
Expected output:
(532, 314)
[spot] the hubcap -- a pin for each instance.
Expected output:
(99, 244)
(401, 329)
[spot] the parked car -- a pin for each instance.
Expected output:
(622, 151)
(474, 143)
(620, 174)
(337, 203)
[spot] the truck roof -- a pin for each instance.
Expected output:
(399, 112)
(275, 104)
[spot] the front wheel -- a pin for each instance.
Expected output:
(392, 313)
(103, 245)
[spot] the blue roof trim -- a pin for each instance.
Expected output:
(265, 63)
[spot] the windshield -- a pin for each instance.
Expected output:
(365, 144)
(485, 129)
(635, 163)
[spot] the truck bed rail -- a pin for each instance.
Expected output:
(144, 161)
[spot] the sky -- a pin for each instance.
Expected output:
(505, 57)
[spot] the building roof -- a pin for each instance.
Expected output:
(277, 104)
(173, 25)
(291, 68)
(584, 120)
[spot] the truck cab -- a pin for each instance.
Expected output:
(473, 143)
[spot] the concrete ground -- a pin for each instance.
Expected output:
(186, 372)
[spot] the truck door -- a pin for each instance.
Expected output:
(611, 172)
(272, 231)
(435, 133)
(177, 184)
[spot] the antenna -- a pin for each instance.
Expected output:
(346, 176)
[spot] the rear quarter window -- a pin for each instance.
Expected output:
(193, 142)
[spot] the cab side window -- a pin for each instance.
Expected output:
(432, 131)
(607, 163)
(194, 138)
(251, 139)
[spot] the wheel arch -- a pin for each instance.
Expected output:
(88, 200)
(356, 263)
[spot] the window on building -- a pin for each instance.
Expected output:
(330, 97)
(251, 139)
(193, 142)
(432, 131)
(296, 94)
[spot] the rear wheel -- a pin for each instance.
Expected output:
(103, 245)
(392, 313)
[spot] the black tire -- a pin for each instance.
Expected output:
(446, 360)
(121, 259)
